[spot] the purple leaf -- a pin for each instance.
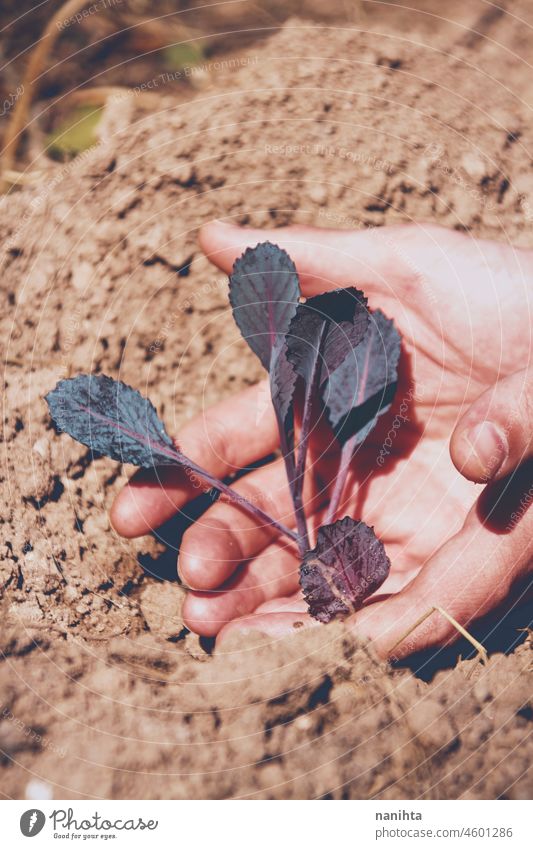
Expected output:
(362, 388)
(282, 385)
(322, 333)
(324, 330)
(111, 418)
(264, 292)
(346, 566)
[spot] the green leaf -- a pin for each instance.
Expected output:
(180, 56)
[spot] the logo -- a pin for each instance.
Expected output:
(32, 822)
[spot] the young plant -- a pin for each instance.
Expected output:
(345, 358)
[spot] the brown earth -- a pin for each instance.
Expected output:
(104, 693)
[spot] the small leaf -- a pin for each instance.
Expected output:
(111, 418)
(321, 335)
(324, 331)
(346, 566)
(264, 291)
(362, 388)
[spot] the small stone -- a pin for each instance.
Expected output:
(194, 648)
(81, 276)
(474, 165)
(482, 689)
(303, 723)
(95, 524)
(36, 789)
(70, 594)
(26, 613)
(42, 448)
(431, 723)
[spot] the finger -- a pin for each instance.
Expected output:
(495, 543)
(273, 573)
(469, 577)
(226, 536)
(228, 436)
(268, 584)
(326, 259)
(496, 434)
(274, 625)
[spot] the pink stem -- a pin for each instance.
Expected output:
(340, 481)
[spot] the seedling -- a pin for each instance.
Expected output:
(345, 359)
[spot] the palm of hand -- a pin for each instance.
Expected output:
(446, 295)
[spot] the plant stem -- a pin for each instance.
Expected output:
(302, 456)
(287, 450)
(238, 499)
(180, 459)
(340, 481)
(311, 391)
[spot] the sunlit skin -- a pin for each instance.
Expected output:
(463, 307)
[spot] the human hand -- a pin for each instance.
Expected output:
(461, 306)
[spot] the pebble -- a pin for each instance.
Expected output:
(303, 723)
(42, 447)
(474, 165)
(482, 689)
(161, 604)
(318, 195)
(431, 724)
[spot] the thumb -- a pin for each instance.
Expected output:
(325, 258)
(496, 434)
(481, 570)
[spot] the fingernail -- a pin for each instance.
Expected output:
(489, 445)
